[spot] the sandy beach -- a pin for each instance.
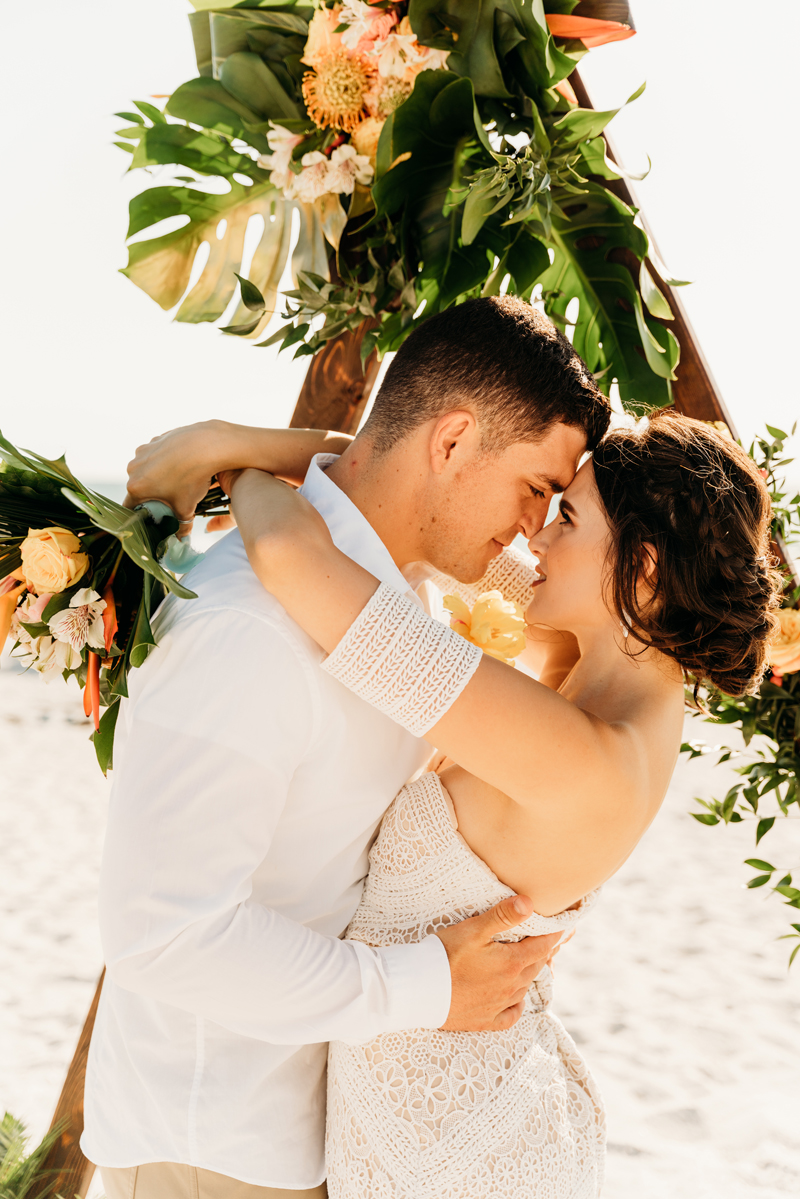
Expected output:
(675, 988)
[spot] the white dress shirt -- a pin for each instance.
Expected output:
(248, 788)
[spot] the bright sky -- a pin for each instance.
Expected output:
(94, 367)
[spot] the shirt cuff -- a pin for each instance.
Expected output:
(418, 983)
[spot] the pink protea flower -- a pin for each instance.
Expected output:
(82, 622)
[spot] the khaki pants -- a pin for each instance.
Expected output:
(168, 1180)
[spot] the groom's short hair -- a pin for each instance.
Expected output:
(502, 357)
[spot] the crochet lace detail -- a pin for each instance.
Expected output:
(402, 661)
(511, 572)
(427, 1114)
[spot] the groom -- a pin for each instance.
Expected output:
(248, 784)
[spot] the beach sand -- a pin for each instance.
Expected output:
(674, 987)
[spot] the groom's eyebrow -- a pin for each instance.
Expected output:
(555, 485)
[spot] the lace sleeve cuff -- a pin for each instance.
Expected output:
(511, 572)
(403, 662)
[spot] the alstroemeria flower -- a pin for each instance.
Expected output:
(82, 622)
(281, 142)
(367, 25)
(399, 51)
(312, 182)
(46, 655)
(347, 168)
(495, 625)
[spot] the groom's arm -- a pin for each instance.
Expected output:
(220, 717)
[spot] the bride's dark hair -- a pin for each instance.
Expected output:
(692, 493)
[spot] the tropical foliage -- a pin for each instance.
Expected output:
(434, 151)
(769, 791)
(80, 576)
(23, 1174)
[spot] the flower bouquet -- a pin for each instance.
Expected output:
(434, 150)
(80, 577)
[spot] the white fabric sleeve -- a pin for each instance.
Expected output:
(219, 719)
(511, 572)
(402, 661)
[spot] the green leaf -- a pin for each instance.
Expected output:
(103, 737)
(206, 102)
(791, 893)
(151, 111)
(763, 827)
(248, 79)
(251, 296)
(203, 152)
(759, 881)
(162, 266)
(757, 864)
(527, 261)
(596, 160)
(654, 299)
(130, 116)
(612, 334)
(705, 817)
(583, 124)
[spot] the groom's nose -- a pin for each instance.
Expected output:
(534, 516)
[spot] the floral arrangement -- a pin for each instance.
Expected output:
(495, 625)
(769, 790)
(434, 150)
(80, 576)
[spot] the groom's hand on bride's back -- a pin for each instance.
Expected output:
(490, 978)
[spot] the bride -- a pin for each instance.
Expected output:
(655, 568)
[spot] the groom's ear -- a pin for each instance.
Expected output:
(455, 438)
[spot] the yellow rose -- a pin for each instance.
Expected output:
(365, 138)
(495, 625)
(784, 646)
(50, 562)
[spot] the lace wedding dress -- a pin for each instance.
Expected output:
(428, 1114)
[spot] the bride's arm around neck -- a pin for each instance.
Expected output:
(597, 756)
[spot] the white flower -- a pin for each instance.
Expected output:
(281, 142)
(359, 17)
(82, 622)
(311, 183)
(347, 168)
(47, 656)
(399, 51)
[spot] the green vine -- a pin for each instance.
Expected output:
(768, 792)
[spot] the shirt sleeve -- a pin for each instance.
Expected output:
(219, 718)
(511, 572)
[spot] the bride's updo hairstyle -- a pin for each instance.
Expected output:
(698, 498)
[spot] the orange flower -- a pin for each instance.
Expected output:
(110, 622)
(784, 646)
(91, 692)
(322, 37)
(8, 604)
(334, 95)
(587, 29)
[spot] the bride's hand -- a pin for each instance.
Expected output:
(177, 467)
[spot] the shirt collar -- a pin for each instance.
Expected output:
(351, 531)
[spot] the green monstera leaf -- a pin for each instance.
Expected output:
(595, 243)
